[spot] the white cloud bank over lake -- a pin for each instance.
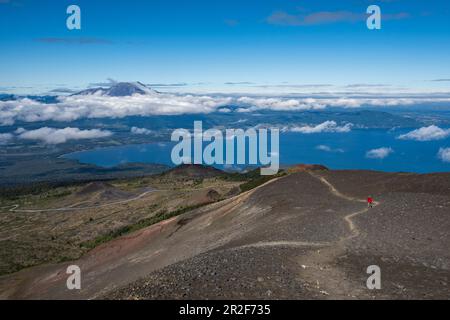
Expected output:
(426, 134)
(71, 108)
(444, 154)
(327, 126)
(326, 148)
(5, 138)
(58, 136)
(379, 153)
(143, 131)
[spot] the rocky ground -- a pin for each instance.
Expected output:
(307, 235)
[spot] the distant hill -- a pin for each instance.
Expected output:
(193, 171)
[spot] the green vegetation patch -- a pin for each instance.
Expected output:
(259, 180)
(164, 215)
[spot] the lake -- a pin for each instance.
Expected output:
(334, 150)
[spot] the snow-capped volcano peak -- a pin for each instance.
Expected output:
(119, 89)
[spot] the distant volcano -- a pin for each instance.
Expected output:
(119, 89)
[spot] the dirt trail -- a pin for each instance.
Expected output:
(318, 266)
(14, 207)
(348, 218)
(284, 244)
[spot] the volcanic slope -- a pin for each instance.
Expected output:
(307, 235)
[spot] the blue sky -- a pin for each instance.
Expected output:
(206, 44)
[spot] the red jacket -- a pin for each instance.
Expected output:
(369, 200)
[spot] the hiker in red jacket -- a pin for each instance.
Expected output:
(370, 202)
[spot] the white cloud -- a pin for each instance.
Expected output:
(323, 148)
(136, 130)
(444, 154)
(328, 149)
(19, 131)
(70, 108)
(296, 104)
(243, 110)
(327, 126)
(57, 136)
(279, 104)
(379, 153)
(426, 134)
(5, 138)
